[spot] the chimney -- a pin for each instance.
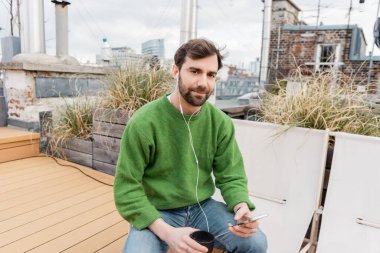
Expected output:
(32, 29)
(61, 27)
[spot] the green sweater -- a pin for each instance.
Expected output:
(156, 169)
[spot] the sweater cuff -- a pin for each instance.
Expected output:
(239, 199)
(146, 218)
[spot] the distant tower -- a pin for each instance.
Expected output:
(106, 51)
(154, 47)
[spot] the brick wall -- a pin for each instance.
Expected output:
(297, 49)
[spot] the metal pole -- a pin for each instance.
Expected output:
(261, 50)
(11, 14)
(319, 8)
(371, 53)
(18, 18)
(266, 41)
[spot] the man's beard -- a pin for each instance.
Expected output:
(193, 100)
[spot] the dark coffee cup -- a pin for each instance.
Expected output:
(204, 238)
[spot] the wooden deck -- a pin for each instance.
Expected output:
(46, 207)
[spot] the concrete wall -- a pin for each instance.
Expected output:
(30, 89)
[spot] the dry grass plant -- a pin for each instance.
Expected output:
(324, 101)
(130, 88)
(75, 120)
(127, 89)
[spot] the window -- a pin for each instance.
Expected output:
(327, 53)
(328, 57)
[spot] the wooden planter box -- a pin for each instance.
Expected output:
(78, 151)
(108, 128)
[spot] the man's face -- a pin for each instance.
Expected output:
(196, 79)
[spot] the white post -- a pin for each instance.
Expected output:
(32, 27)
(188, 20)
(194, 17)
(318, 51)
(185, 20)
(61, 28)
(266, 41)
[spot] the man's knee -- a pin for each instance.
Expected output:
(144, 241)
(257, 243)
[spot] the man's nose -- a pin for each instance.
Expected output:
(202, 81)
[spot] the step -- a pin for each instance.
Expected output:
(16, 144)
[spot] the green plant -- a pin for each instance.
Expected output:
(130, 88)
(322, 101)
(74, 121)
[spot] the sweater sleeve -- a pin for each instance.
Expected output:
(228, 167)
(130, 198)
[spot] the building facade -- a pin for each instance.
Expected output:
(154, 47)
(338, 48)
(121, 57)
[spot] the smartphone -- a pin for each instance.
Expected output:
(253, 219)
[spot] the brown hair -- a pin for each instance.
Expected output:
(197, 49)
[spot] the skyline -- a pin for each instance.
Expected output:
(235, 25)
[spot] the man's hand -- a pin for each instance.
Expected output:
(243, 214)
(178, 239)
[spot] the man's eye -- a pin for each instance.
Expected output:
(194, 71)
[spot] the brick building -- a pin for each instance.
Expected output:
(340, 48)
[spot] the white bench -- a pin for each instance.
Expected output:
(285, 168)
(351, 215)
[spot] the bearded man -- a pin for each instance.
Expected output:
(170, 149)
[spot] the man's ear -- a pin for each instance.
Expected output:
(175, 71)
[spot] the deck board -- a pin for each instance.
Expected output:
(17, 165)
(115, 246)
(38, 186)
(81, 233)
(33, 180)
(48, 215)
(46, 207)
(99, 240)
(37, 194)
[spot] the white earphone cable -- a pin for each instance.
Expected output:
(196, 159)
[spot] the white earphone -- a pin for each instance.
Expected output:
(195, 155)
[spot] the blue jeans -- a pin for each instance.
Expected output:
(145, 241)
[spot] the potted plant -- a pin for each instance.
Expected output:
(322, 101)
(71, 134)
(127, 89)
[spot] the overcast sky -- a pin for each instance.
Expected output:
(235, 24)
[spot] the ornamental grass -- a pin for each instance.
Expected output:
(322, 101)
(130, 88)
(74, 120)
